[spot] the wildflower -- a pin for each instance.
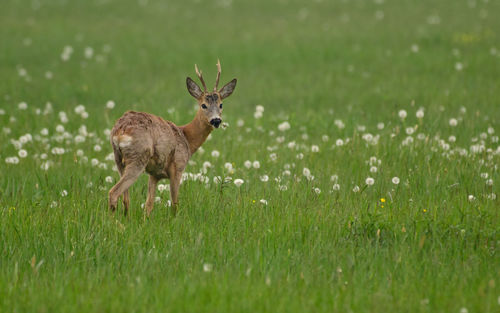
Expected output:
(453, 122)
(264, 178)
(339, 142)
(380, 125)
(334, 178)
(291, 144)
(207, 267)
(238, 182)
(402, 114)
(300, 156)
(369, 181)
(110, 104)
(339, 124)
(325, 138)
(395, 180)
(489, 182)
(284, 126)
(373, 169)
(258, 115)
(414, 48)
(22, 153)
(306, 172)
(336, 187)
(355, 189)
(471, 198)
(97, 148)
(314, 148)
(215, 154)
(88, 52)
(317, 190)
(256, 164)
(240, 122)
(263, 201)
(273, 156)
(420, 113)
(109, 179)
(247, 164)
(12, 160)
(64, 193)
(459, 66)
(22, 106)
(259, 108)
(60, 129)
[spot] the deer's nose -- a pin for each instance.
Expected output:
(215, 122)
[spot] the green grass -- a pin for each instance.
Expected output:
(427, 248)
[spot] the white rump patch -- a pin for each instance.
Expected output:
(124, 141)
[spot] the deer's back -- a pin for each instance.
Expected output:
(149, 139)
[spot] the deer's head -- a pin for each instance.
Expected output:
(210, 103)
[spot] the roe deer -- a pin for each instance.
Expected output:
(146, 142)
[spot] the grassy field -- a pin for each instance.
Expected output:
(376, 186)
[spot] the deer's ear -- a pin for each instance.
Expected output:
(193, 88)
(228, 89)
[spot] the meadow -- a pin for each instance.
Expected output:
(366, 134)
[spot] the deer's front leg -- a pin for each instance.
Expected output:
(150, 201)
(175, 181)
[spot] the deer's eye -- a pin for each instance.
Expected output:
(220, 106)
(204, 106)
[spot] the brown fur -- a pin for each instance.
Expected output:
(146, 142)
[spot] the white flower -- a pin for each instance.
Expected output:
(291, 144)
(420, 113)
(314, 148)
(355, 189)
(306, 172)
(484, 175)
(257, 115)
(63, 117)
(489, 182)
(464, 310)
(339, 124)
(64, 193)
(79, 109)
(12, 160)
(60, 129)
(410, 130)
(228, 166)
(217, 179)
(325, 138)
(259, 108)
(395, 180)
(207, 267)
(453, 122)
(369, 181)
(22, 106)
(110, 104)
(94, 162)
(284, 126)
(273, 156)
(402, 114)
(89, 52)
(22, 153)
(317, 190)
(264, 178)
(240, 122)
(452, 138)
(459, 66)
(339, 142)
(256, 164)
(238, 182)
(109, 179)
(373, 169)
(336, 187)
(263, 201)
(215, 153)
(300, 156)
(247, 164)
(380, 125)
(97, 148)
(414, 48)
(471, 198)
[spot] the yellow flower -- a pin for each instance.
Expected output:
(382, 200)
(425, 210)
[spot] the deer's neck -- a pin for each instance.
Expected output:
(196, 132)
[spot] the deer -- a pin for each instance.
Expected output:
(144, 142)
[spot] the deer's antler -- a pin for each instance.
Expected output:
(200, 77)
(218, 75)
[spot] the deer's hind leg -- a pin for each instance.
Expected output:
(131, 172)
(121, 168)
(150, 201)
